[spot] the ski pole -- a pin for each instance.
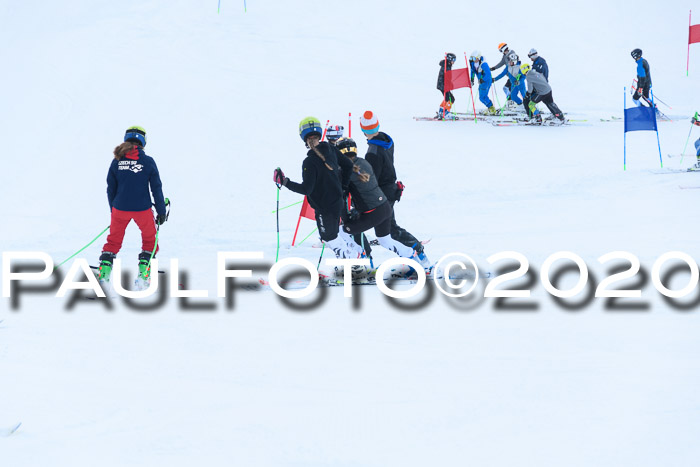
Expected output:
(686, 141)
(91, 242)
(321, 257)
(155, 247)
(277, 211)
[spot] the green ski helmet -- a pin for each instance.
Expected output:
(309, 126)
(136, 134)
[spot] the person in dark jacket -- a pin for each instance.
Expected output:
(380, 156)
(447, 97)
(371, 209)
(130, 176)
(643, 79)
(539, 64)
(325, 177)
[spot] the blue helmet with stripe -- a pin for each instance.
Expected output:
(136, 134)
(309, 126)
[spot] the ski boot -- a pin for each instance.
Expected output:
(144, 278)
(492, 110)
(105, 271)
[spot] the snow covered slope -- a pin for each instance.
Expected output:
(343, 383)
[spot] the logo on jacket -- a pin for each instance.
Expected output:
(133, 166)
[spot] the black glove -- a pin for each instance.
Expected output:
(481, 81)
(399, 191)
(528, 95)
(160, 219)
(353, 215)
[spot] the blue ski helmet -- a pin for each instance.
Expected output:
(136, 134)
(309, 126)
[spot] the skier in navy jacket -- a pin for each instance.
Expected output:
(539, 64)
(130, 175)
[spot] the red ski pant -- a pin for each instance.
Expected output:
(120, 219)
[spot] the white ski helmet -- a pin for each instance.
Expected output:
(475, 56)
(532, 54)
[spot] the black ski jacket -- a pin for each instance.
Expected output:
(380, 156)
(366, 196)
(322, 186)
(441, 76)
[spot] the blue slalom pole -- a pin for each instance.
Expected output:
(624, 107)
(651, 91)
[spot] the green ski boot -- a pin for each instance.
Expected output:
(143, 280)
(106, 261)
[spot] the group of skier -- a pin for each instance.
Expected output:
(526, 84)
(351, 195)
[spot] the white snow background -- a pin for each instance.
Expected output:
(220, 96)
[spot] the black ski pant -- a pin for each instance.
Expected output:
(402, 235)
(328, 222)
(448, 96)
(548, 100)
(379, 218)
(645, 86)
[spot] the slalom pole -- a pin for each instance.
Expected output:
(76, 253)
(624, 130)
(218, 10)
(277, 211)
(471, 90)
(687, 63)
(651, 91)
(325, 129)
(282, 209)
(349, 124)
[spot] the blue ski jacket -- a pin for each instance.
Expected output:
(128, 182)
(482, 72)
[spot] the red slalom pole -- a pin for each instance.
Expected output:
(349, 125)
(471, 91)
(324, 130)
(687, 63)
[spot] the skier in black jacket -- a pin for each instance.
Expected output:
(380, 156)
(325, 177)
(447, 97)
(643, 79)
(371, 208)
